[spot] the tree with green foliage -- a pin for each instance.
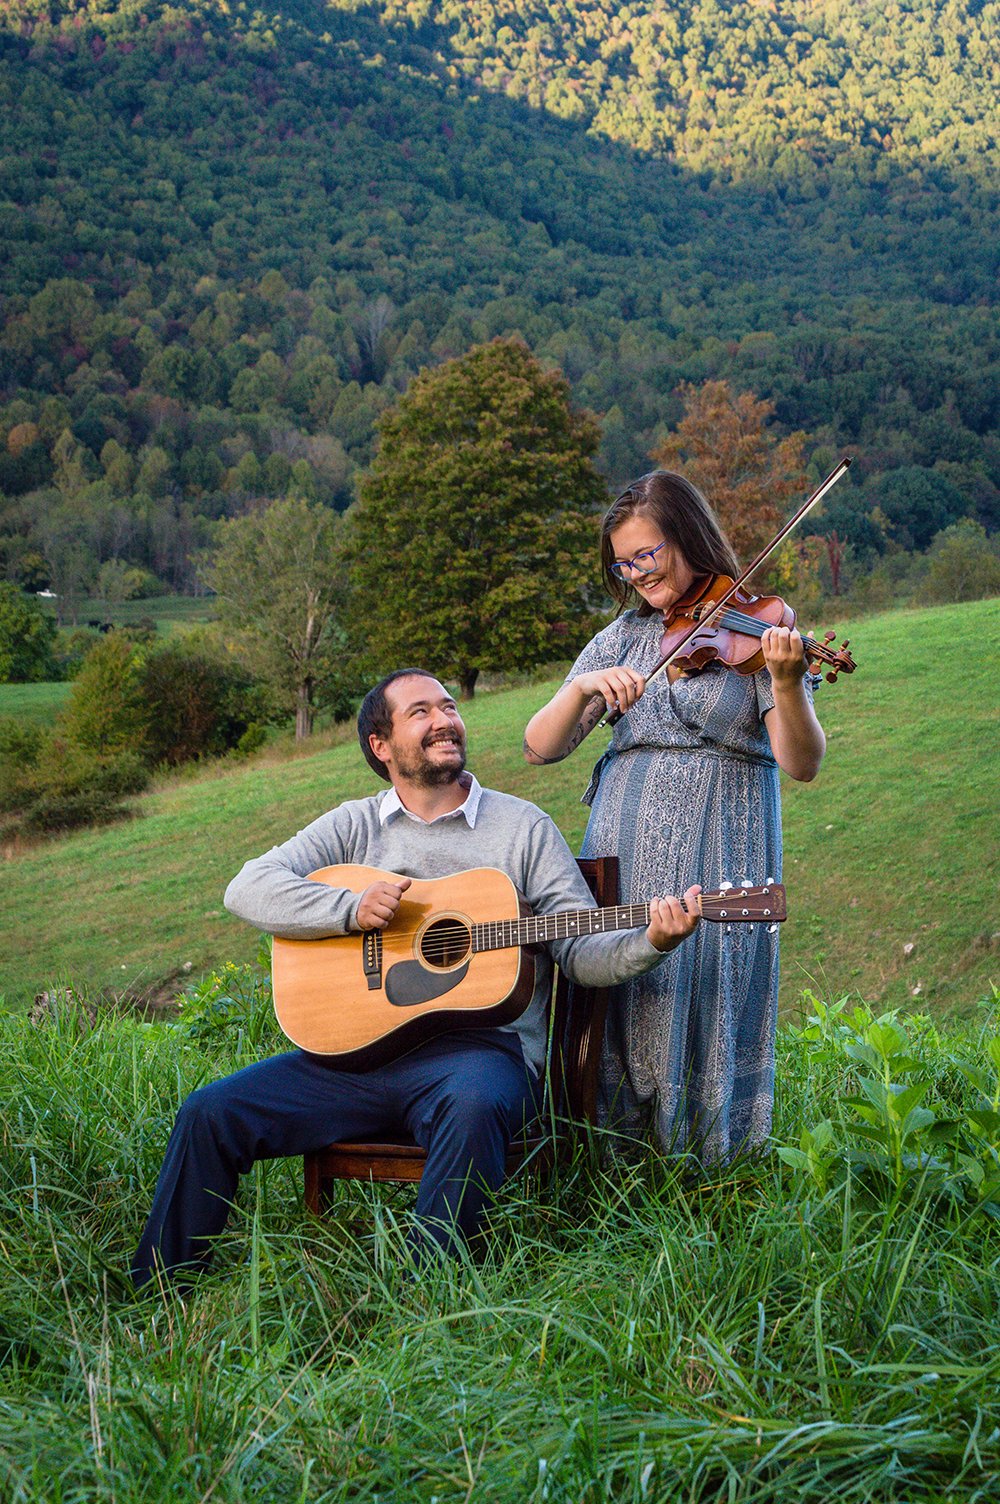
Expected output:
(472, 542)
(198, 703)
(963, 563)
(278, 579)
(27, 637)
(106, 712)
(916, 503)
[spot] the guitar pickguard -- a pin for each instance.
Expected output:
(408, 983)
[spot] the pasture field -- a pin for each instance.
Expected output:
(36, 703)
(890, 855)
(171, 613)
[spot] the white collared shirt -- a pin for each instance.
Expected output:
(393, 805)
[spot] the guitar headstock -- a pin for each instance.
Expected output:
(744, 904)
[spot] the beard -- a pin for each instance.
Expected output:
(418, 769)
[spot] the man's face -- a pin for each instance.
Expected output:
(426, 745)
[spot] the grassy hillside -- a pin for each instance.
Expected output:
(890, 855)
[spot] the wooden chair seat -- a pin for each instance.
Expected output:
(576, 1033)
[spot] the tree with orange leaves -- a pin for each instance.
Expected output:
(747, 472)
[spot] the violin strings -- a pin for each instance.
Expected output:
(755, 628)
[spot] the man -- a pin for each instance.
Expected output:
(462, 1096)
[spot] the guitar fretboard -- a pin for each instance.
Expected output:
(537, 929)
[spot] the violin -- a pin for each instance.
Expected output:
(743, 622)
(732, 636)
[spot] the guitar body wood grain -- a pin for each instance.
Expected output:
(425, 980)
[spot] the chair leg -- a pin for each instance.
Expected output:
(312, 1185)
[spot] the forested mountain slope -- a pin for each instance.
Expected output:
(233, 233)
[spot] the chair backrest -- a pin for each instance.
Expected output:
(578, 1015)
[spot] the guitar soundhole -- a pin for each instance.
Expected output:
(445, 943)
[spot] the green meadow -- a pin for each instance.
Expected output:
(37, 703)
(170, 613)
(818, 1323)
(890, 855)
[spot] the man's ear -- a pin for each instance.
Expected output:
(379, 746)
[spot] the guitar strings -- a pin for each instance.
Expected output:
(462, 940)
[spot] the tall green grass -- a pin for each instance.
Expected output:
(633, 1333)
(891, 857)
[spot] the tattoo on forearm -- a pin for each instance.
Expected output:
(537, 756)
(593, 713)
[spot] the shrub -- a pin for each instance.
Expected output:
(119, 581)
(252, 739)
(915, 1120)
(66, 786)
(106, 711)
(21, 746)
(27, 633)
(963, 563)
(71, 648)
(196, 705)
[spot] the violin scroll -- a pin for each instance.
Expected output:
(820, 653)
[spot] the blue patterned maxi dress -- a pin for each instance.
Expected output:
(688, 792)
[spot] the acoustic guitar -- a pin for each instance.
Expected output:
(457, 953)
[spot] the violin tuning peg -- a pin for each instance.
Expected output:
(828, 637)
(845, 644)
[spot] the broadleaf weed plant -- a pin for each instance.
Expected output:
(233, 1006)
(918, 1114)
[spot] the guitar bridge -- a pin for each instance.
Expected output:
(372, 954)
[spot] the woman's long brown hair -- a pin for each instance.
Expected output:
(680, 512)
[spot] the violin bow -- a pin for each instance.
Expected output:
(613, 717)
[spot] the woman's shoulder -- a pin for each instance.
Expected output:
(616, 640)
(628, 627)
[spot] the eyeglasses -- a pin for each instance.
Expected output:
(643, 563)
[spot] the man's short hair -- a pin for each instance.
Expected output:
(375, 716)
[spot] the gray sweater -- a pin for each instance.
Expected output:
(273, 891)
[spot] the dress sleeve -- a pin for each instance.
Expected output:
(600, 652)
(765, 690)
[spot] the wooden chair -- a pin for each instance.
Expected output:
(577, 1033)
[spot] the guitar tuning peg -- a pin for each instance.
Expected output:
(772, 929)
(724, 887)
(746, 883)
(769, 882)
(728, 930)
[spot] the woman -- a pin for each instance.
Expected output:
(686, 792)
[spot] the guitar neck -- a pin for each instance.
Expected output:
(739, 905)
(537, 929)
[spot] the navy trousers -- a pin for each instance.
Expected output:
(463, 1097)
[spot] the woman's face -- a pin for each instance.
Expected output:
(661, 577)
